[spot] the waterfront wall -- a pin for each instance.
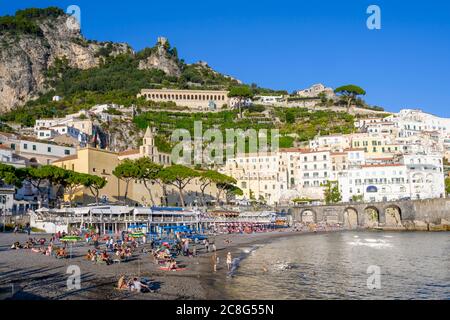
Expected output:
(431, 214)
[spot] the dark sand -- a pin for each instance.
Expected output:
(28, 275)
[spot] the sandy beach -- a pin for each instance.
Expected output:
(32, 276)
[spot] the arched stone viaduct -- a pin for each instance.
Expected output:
(410, 214)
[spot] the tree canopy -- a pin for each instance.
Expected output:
(349, 93)
(51, 176)
(331, 192)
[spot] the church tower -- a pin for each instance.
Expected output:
(148, 148)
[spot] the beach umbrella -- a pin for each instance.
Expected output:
(137, 235)
(71, 240)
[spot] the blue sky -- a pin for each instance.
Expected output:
(292, 44)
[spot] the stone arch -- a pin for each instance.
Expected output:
(393, 215)
(308, 216)
(371, 216)
(351, 220)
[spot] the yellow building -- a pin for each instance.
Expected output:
(193, 99)
(96, 162)
(102, 163)
(375, 146)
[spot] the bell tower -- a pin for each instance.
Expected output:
(148, 148)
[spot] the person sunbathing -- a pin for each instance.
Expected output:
(138, 286)
(105, 257)
(16, 246)
(172, 264)
(89, 255)
(61, 253)
(122, 284)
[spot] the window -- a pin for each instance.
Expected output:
(66, 152)
(25, 146)
(34, 147)
(49, 149)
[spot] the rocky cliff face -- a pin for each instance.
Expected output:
(161, 58)
(24, 58)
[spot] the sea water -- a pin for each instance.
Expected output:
(410, 265)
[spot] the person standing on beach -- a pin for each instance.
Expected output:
(214, 261)
(229, 261)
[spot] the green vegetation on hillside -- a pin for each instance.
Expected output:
(166, 122)
(307, 124)
(24, 21)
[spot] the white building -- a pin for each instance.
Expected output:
(411, 122)
(374, 183)
(315, 90)
(77, 120)
(269, 99)
(42, 152)
(333, 142)
(412, 176)
(279, 177)
(44, 133)
(426, 175)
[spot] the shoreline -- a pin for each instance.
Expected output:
(36, 276)
(212, 282)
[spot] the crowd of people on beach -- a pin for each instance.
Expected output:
(108, 249)
(54, 248)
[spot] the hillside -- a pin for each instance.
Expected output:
(41, 57)
(31, 42)
(296, 125)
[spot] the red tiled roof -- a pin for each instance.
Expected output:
(128, 152)
(72, 157)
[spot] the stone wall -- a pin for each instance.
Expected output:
(432, 214)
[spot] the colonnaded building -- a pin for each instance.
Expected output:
(193, 99)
